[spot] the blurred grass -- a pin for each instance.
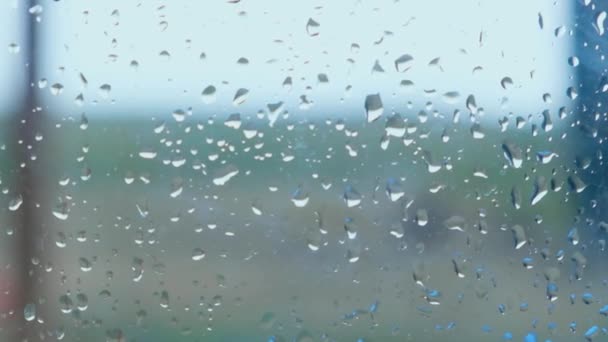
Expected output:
(267, 266)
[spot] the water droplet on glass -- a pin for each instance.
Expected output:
(164, 299)
(14, 48)
(513, 154)
(377, 68)
(422, 218)
(476, 131)
(373, 107)
(540, 190)
(208, 94)
(559, 31)
(233, 121)
(299, 197)
(147, 154)
(471, 104)
(56, 89)
(61, 210)
(15, 203)
(576, 183)
(519, 236)
(198, 254)
(350, 228)
(179, 115)
(598, 23)
(592, 333)
(85, 264)
(455, 223)
(240, 96)
(351, 196)
(312, 27)
(404, 63)
(223, 175)
(29, 312)
(104, 90)
(394, 189)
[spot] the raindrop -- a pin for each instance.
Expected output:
(29, 312)
(373, 107)
(394, 189)
(179, 115)
(350, 228)
(404, 63)
(208, 94)
(85, 264)
(576, 183)
(476, 131)
(594, 331)
(240, 96)
(312, 27)
(15, 203)
(66, 304)
(147, 154)
(422, 218)
(540, 190)
(471, 104)
(377, 68)
(56, 89)
(519, 236)
(352, 198)
(599, 22)
(560, 31)
(299, 197)
(513, 154)
(198, 254)
(14, 48)
(104, 90)
(455, 223)
(223, 175)
(573, 236)
(233, 121)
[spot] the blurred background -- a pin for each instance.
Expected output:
(303, 171)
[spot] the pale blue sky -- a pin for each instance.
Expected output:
(512, 45)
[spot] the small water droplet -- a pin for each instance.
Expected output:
(147, 154)
(56, 89)
(198, 254)
(299, 197)
(104, 91)
(14, 48)
(29, 312)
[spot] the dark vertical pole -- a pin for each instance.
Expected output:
(26, 123)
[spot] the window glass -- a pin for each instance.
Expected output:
(314, 171)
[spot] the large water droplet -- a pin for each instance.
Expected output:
(599, 23)
(404, 63)
(373, 107)
(223, 175)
